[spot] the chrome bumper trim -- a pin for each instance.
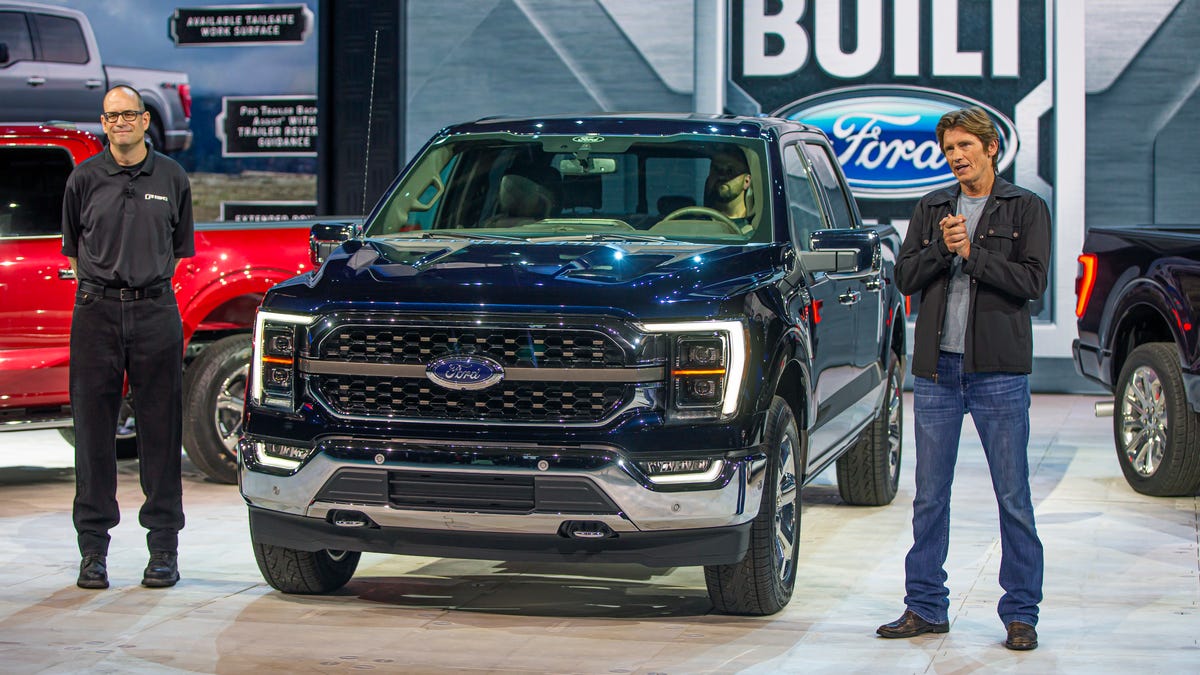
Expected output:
(641, 508)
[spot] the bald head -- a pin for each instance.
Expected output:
(125, 121)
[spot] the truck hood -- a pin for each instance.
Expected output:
(640, 278)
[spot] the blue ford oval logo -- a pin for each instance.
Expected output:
(465, 372)
(885, 139)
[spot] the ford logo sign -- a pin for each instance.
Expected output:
(465, 372)
(885, 139)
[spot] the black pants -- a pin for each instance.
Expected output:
(144, 339)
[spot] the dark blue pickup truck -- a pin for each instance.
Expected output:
(1138, 303)
(550, 341)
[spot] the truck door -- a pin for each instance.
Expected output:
(17, 67)
(831, 321)
(73, 87)
(35, 279)
(867, 290)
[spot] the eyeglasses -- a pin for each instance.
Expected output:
(127, 115)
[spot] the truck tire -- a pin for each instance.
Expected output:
(126, 432)
(869, 473)
(214, 393)
(304, 572)
(157, 138)
(1156, 433)
(762, 582)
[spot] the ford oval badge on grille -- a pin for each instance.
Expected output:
(885, 139)
(465, 372)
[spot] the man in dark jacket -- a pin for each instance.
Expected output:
(978, 253)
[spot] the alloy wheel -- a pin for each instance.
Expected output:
(1144, 421)
(227, 413)
(786, 505)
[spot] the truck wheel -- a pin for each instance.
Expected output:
(1157, 435)
(157, 138)
(214, 394)
(869, 473)
(762, 582)
(305, 572)
(126, 432)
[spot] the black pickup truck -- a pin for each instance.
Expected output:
(544, 345)
(1138, 303)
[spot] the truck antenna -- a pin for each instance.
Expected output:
(370, 111)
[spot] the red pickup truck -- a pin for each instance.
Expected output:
(218, 291)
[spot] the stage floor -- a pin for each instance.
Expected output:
(1122, 587)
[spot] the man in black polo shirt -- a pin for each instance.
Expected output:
(127, 222)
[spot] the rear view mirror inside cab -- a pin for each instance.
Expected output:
(583, 166)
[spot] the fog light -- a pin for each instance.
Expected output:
(281, 456)
(682, 470)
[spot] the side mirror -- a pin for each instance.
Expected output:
(848, 252)
(3, 53)
(324, 238)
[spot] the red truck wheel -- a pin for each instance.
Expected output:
(1157, 434)
(126, 432)
(214, 390)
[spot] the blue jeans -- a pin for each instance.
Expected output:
(999, 406)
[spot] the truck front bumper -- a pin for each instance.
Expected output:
(582, 504)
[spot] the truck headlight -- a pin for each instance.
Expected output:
(707, 362)
(273, 382)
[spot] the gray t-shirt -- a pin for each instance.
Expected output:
(958, 295)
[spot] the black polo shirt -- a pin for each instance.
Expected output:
(127, 225)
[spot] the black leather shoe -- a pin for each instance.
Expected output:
(1021, 636)
(910, 625)
(93, 572)
(162, 570)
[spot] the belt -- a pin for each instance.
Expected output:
(125, 294)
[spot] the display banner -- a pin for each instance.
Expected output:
(261, 126)
(267, 211)
(240, 25)
(876, 76)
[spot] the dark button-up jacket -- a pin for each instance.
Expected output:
(1009, 257)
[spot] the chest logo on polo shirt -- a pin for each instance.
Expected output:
(158, 197)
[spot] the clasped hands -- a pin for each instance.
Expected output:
(954, 233)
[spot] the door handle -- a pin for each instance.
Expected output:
(93, 84)
(66, 273)
(873, 284)
(35, 81)
(849, 297)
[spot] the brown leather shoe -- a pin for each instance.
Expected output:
(1021, 636)
(910, 625)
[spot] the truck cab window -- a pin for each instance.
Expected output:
(60, 39)
(804, 211)
(827, 176)
(14, 33)
(32, 181)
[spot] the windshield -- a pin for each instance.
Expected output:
(687, 188)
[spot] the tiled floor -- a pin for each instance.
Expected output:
(1122, 588)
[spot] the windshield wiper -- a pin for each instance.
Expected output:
(606, 236)
(441, 234)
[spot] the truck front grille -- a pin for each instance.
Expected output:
(367, 396)
(511, 347)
